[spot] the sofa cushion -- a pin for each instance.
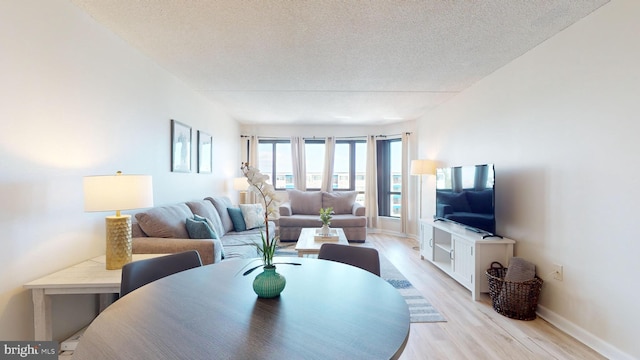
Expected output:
(237, 219)
(206, 209)
(347, 221)
(305, 202)
(253, 215)
(341, 201)
(300, 221)
(165, 221)
(221, 204)
(199, 228)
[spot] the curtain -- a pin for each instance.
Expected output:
(252, 198)
(298, 163)
(404, 197)
(329, 155)
(371, 183)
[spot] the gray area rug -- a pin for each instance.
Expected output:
(420, 310)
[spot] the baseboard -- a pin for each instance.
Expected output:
(602, 347)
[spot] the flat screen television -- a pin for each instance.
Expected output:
(466, 195)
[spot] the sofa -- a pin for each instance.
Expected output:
(175, 228)
(302, 210)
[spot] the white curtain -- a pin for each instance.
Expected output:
(298, 163)
(404, 198)
(371, 183)
(253, 161)
(327, 173)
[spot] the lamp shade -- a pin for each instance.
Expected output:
(240, 184)
(423, 167)
(117, 192)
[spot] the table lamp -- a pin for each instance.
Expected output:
(241, 185)
(422, 167)
(115, 193)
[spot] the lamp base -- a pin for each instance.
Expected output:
(118, 241)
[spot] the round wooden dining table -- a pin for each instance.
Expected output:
(328, 310)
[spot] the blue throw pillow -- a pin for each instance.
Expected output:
(200, 229)
(237, 219)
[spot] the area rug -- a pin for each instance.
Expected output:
(420, 310)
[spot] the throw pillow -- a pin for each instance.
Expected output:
(341, 202)
(221, 204)
(165, 221)
(206, 209)
(305, 202)
(237, 219)
(253, 215)
(199, 229)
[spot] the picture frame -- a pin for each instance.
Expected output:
(180, 147)
(205, 153)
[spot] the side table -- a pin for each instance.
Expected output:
(88, 277)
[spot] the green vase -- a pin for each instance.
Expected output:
(269, 283)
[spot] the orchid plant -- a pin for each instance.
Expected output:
(258, 185)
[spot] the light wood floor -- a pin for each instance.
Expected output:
(473, 329)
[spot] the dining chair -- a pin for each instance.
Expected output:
(138, 273)
(362, 257)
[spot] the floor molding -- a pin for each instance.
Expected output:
(587, 338)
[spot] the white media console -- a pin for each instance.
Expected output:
(463, 254)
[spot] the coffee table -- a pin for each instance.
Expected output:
(308, 245)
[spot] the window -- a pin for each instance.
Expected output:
(314, 158)
(389, 177)
(349, 166)
(275, 160)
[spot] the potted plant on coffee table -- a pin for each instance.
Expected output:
(325, 217)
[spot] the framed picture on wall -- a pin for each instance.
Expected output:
(205, 152)
(180, 147)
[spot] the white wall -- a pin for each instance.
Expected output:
(76, 100)
(561, 125)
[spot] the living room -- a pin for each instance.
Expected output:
(78, 100)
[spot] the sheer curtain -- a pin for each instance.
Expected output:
(371, 183)
(253, 161)
(298, 163)
(404, 198)
(329, 155)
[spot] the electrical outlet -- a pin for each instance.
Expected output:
(557, 272)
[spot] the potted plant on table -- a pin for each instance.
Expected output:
(325, 217)
(269, 283)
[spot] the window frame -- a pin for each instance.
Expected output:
(274, 165)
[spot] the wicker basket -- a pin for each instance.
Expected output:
(516, 300)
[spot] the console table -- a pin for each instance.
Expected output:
(463, 254)
(88, 277)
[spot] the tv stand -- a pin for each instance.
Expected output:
(463, 254)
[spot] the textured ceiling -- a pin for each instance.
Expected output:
(333, 62)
